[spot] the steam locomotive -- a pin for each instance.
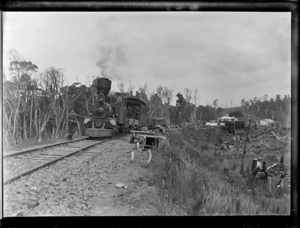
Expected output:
(115, 113)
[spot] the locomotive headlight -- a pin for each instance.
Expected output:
(112, 122)
(101, 97)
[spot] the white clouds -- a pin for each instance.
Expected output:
(244, 52)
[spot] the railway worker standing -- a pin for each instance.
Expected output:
(72, 124)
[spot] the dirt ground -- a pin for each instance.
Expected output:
(86, 185)
(140, 196)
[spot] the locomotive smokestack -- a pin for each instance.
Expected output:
(103, 85)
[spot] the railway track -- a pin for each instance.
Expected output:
(22, 163)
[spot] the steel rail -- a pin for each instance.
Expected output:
(42, 147)
(51, 162)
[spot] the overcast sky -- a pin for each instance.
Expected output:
(225, 55)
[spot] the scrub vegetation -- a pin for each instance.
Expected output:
(198, 178)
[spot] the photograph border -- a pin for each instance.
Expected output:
(175, 6)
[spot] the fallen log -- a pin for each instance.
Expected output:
(257, 151)
(277, 136)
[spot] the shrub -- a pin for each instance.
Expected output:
(176, 139)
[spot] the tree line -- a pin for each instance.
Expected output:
(37, 104)
(278, 108)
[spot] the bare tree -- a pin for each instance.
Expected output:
(20, 72)
(52, 80)
(168, 95)
(142, 93)
(144, 89)
(130, 89)
(188, 95)
(121, 87)
(195, 97)
(215, 103)
(160, 93)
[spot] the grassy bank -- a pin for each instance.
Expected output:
(195, 177)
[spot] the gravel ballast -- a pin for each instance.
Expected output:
(84, 185)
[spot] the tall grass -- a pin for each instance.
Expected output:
(194, 179)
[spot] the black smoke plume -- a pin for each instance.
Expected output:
(111, 60)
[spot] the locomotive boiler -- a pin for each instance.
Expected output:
(101, 123)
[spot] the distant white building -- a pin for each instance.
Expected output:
(211, 124)
(227, 118)
(266, 122)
